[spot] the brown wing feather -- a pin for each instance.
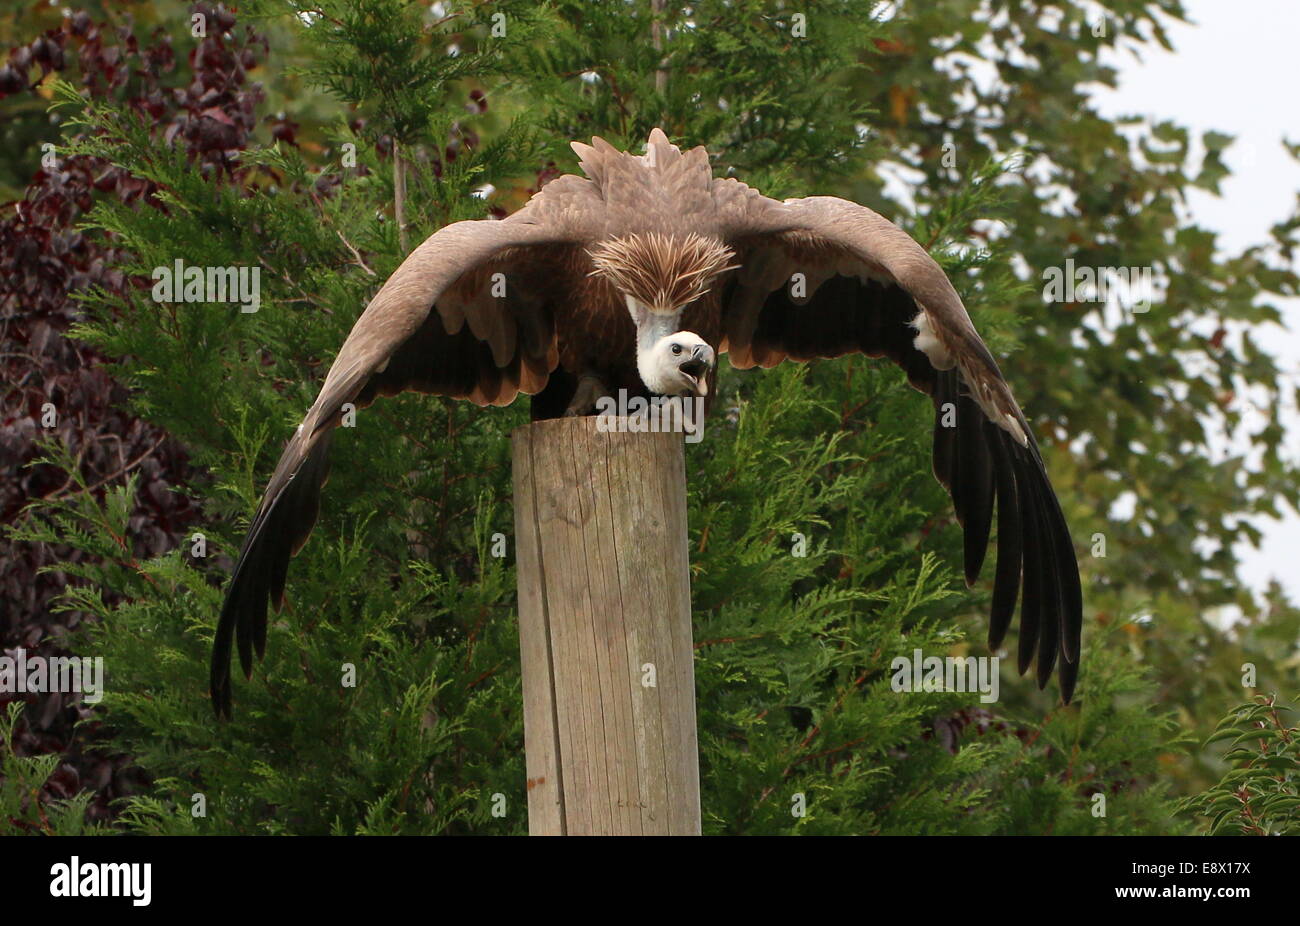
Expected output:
(868, 286)
(477, 346)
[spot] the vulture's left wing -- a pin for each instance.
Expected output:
(823, 277)
(468, 314)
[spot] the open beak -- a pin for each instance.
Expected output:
(696, 368)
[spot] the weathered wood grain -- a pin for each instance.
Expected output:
(605, 631)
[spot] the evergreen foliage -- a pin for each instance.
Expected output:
(1260, 794)
(22, 779)
(793, 651)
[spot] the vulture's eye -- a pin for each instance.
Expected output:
(677, 348)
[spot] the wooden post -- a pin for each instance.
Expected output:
(605, 631)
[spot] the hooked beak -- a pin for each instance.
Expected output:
(696, 368)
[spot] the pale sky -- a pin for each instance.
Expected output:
(1236, 69)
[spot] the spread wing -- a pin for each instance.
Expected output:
(491, 338)
(823, 277)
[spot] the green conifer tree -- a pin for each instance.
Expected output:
(821, 547)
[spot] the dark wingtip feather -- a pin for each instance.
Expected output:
(945, 434)
(1069, 675)
(286, 517)
(1049, 616)
(977, 487)
(1031, 605)
(1006, 582)
(1067, 566)
(219, 677)
(252, 619)
(1049, 624)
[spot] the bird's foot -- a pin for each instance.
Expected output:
(591, 389)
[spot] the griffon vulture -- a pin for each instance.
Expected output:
(636, 277)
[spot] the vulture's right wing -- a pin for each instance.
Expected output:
(491, 338)
(824, 277)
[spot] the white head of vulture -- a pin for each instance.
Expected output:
(637, 277)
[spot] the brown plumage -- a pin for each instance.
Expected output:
(661, 269)
(593, 271)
